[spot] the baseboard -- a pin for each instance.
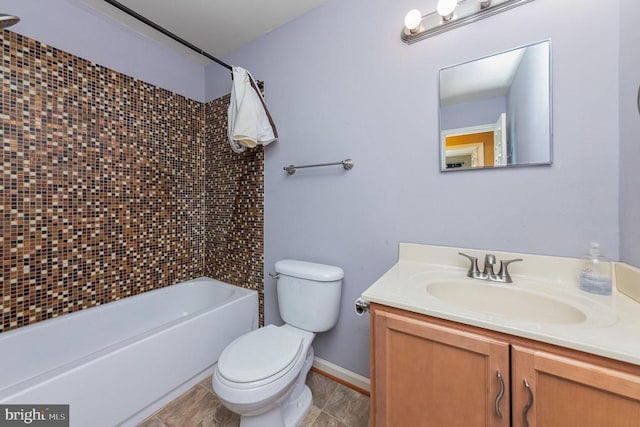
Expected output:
(341, 375)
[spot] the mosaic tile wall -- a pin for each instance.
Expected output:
(105, 186)
(234, 201)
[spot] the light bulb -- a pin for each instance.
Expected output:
(412, 20)
(446, 8)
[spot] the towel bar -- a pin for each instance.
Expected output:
(347, 164)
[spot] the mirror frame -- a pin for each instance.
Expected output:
(441, 146)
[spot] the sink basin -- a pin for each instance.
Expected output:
(505, 301)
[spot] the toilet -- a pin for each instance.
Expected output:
(261, 375)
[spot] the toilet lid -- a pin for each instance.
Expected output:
(260, 354)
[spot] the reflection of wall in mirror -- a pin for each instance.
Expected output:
(485, 138)
(528, 121)
(469, 114)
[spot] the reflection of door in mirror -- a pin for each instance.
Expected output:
(500, 141)
(470, 150)
(476, 146)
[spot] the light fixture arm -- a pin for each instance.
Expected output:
(466, 12)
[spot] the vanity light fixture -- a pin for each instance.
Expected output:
(412, 21)
(451, 14)
(446, 8)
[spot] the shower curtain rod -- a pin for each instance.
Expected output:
(167, 33)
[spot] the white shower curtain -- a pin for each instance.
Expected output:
(250, 123)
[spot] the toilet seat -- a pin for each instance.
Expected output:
(259, 357)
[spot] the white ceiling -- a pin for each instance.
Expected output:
(218, 27)
(485, 78)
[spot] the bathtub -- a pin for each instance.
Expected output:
(118, 363)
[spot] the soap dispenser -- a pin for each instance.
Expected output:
(595, 276)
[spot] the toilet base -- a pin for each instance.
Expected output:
(296, 410)
(290, 414)
(292, 410)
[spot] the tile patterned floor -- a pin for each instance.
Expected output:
(334, 405)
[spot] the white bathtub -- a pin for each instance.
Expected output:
(118, 363)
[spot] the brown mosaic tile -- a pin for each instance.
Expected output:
(111, 187)
(235, 207)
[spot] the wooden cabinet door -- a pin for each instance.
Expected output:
(426, 374)
(572, 393)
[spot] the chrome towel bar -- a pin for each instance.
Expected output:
(347, 164)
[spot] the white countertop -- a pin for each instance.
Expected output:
(612, 327)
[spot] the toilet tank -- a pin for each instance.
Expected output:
(309, 294)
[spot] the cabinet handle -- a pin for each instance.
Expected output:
(528, 405)
(500, 394)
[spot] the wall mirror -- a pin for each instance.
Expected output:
(496, 111)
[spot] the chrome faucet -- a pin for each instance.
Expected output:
(502, 276)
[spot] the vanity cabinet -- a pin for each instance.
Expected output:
(570, 392)
(436, 373)
(426, 374)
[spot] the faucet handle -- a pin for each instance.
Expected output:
(489, 262)
(503, 274)
(473, 268)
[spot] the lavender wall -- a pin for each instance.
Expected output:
(341, 90)
(472, 113)
(217, 81)
(528, 112)
(75, 28)
(629, 133)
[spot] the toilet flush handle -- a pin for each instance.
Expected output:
(274, 276)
